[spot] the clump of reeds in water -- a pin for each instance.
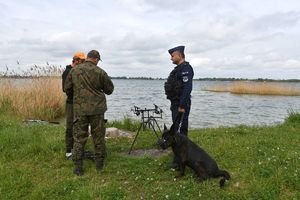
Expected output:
(38, 98)
(35, 95)
(258, 88)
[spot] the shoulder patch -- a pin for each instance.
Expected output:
(185, 79)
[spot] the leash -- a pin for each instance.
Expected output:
(180, 118)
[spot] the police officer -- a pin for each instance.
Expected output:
(90, 83)
(78, 58)
(178, 88)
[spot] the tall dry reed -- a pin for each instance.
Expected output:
(36, 98)
(258, 88)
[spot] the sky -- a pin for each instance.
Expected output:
(230, 39)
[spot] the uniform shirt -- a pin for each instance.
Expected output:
(64, 77)
(186, 75)
(90, 84)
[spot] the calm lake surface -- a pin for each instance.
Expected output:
(209, 109)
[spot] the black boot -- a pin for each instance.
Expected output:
(78, 171)
(99, 165)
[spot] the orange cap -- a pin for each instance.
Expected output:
(79, 55)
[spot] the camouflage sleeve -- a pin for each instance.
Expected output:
(68, 85)
(108, 86)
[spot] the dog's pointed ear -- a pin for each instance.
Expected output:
(165, 127)
(172, 128)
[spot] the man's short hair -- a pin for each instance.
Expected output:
(182, 54)
(94, 54)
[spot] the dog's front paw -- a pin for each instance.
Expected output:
(179, 176)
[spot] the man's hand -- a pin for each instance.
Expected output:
(180, 109)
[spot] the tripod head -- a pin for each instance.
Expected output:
(156, 110)
(136, 110)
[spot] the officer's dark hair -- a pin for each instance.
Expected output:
(182, 54)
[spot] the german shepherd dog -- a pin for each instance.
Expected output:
(191, 155)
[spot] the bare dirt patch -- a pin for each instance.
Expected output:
(155, 153)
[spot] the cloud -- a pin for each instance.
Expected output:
(277, 21)
(155, 5)
(232, 38)
(200, 61)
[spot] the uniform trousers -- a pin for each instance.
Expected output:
(81, 135)
(69, 140)
(185, 120)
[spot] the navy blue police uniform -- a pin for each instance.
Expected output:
(178, 89)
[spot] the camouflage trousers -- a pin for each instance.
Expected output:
(69, 127)
(81, 134)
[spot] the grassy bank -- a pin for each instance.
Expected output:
(264, 163)
(35, 98)
(259, 88)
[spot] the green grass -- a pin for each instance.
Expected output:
(264, 163)
(127, 124)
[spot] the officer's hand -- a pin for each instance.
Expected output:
(181, 110)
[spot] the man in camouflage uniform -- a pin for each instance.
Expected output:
(90, 83)
(78, 58)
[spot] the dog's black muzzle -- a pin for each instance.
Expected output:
(162, 143)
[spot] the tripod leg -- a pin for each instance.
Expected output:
(153, 128)
(157, 125)
(135, 137)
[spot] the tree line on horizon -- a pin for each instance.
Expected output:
(213, 79)
(2, 75)
(36, 71)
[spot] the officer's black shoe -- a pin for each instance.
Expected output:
(99, 166)
(78, 171)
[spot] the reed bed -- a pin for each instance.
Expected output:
(258, 88)
(34, 98)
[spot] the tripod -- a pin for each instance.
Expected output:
(148, 118)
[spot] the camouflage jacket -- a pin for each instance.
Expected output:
(90, 84)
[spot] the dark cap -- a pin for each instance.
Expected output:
(179, 48)
(94, 54)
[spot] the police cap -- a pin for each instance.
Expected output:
(94, 54)
(179, 48)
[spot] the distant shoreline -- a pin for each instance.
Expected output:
(195, 79)
(214, 79)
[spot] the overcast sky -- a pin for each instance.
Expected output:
(232, 38)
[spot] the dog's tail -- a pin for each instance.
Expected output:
(225, 176)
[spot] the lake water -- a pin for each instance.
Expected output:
(209, 109)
